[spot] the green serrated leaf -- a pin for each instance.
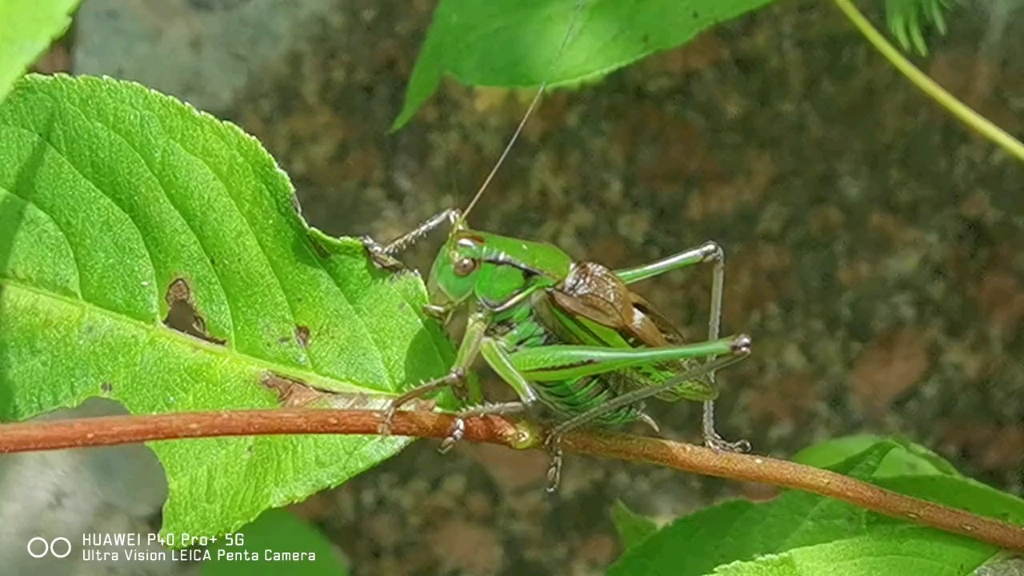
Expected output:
(808, 535)
(118, 205)
(27, 27)
(740, 530)
(914, 28)
(256, 550)
(907, 19)
(515, 43)
(935, 13)
(911, 551)
(632, 527)
(908, 459)
(960, 492)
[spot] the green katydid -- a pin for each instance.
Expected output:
(569, 336)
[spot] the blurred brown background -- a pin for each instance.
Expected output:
(874, 246)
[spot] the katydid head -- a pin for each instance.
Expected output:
(492, 269)
(454, 274)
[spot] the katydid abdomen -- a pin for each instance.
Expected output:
(523, 329)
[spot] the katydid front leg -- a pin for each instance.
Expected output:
(456, 377)
(707, 252)
(384, 256)
(499, 361)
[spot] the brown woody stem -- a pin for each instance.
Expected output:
(111, 430)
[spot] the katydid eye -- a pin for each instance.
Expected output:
(464, 266)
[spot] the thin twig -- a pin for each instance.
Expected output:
(111, 430)
(957, 108)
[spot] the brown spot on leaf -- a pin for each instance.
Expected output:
(290, 393)
(302, 335)
(182, 314)
(293, 393)
(889, 367)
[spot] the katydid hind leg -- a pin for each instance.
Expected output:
(552, 442)
(712, 439)
(707, 252)
(553, 445)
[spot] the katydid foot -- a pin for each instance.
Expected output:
(452, 379)
(378, 254)
(458, 429)
(553, 445)
(711, 437)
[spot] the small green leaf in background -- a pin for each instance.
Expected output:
(632, 527)
(153, 255)
(913, 550)
(27, 27)
(907, 459)
(800, 533)
(514, 43)
(907, 18)
(275, 530)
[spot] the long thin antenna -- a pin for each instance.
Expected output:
(529, 111)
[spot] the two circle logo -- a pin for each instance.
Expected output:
(59, 547)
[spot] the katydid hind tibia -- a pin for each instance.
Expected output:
(569, 336)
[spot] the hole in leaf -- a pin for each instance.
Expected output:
(182, 314)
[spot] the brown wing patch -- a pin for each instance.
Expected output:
(596, 293)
